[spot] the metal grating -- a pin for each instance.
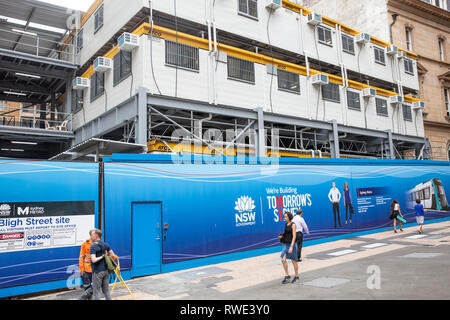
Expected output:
(182, 55)
(239, 69)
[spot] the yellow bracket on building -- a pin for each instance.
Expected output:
(173, 35)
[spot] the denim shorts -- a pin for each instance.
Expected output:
(285, 252)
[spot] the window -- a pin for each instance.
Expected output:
(98, 19)
(288, 81)
(407, 114)
(77, 99)
(97, 85)
(408, 33)
(379, 56)
(353, 100)
(441, 49)
(121, 66)
(79, 40)
(248, 8)
(324, 35)
(427, 193)
(239, 69)
(330, 92)
(348, 45)
(409, 66)
(381, 105)
(182, 56)
(447, 101)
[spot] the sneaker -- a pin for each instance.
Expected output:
(395, 231)
(401, 230)
(286, 280)
(295, 279)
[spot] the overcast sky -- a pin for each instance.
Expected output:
(82, 5)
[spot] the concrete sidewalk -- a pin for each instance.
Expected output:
(386, 265)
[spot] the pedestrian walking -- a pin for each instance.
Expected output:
(335, 196)
(100, 274)
(290, 247)
(348, 203)
(395, 213)
(84, 263)
(300, 226)
(420, 215)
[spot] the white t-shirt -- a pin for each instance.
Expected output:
(334, 195)
(300, 224)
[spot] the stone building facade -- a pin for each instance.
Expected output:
(421, 26)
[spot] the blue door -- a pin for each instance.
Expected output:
(146, 238)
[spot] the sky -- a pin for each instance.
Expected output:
(82, 5)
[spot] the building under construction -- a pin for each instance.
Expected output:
(241, 77)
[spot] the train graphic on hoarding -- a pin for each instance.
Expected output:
(431, 194)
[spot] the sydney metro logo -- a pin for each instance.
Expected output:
(246, 216)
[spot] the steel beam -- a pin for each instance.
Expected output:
(34, 70)
(108, 121)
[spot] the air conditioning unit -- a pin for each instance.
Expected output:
(362, 38)
(418, 105)
(80, 83)
(273, 4)
(402, 55)
(396, 99)
(102, 64)
(320, 79)
(128, 41)
(314, 19)
(391, 50)
(369, 92)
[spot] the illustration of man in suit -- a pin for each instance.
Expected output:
(335, 196)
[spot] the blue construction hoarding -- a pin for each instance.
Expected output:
(158, 215)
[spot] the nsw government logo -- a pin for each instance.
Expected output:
(245, 215)
(5, 210)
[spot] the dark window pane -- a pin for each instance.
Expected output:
(122, 66)
(379, 55)
(353, 100)
(181, 55)
(407, 115)
(381, 105)
(240, 69)
(331, 92)
(348, 44)
(324, 35)
(288, 81)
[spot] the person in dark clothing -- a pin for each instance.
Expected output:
(396, 212)
(301, 227)
(288, 238)
(100, 275)
(348, 203)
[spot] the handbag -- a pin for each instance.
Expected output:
(281, 238)
(110, 264)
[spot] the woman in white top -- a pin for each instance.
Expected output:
(395, 212)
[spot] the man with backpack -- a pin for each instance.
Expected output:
(100, 273)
